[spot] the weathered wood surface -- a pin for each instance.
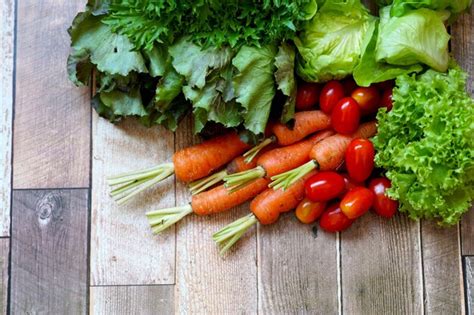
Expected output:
(123, 250)
(442, 269)
(297, 269)
(52, 117)
(125, 300)
(381, 266)
(4, 253)
(49, 251)
(205, 282)
(7, 16)
(469, 274)
(462, 46)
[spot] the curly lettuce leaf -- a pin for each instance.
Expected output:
(401, 7)
(369, 71)
(254, 84)
(330, 44)
(419, 36)
(426, 144)
(285, 79)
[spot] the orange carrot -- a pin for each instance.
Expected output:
(209, 202)
(268, 205)
(219, 199)
(327, 154)
(276, 161)
(239, 165)
(305, 123)
(266, 209)
(200, 160)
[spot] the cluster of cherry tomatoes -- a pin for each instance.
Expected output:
(337, 199)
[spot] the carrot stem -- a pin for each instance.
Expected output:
(201, 185)
(234, 182)
(285, 180)
(132, 183)
(252, 153)
(231, 233)
(162, 219)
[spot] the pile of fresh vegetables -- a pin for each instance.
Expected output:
(326, 108)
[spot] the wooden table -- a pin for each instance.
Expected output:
(67, 249)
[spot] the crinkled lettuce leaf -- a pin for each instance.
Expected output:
(330, 44)
(401, 7)
(285, 79)
(254, 84)
(426, 144)
(419, 36)
(369, 71)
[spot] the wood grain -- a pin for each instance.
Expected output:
(49, 251)
(7, 16)
(297, 269)
(52, 117)
(205, 282)
(4, 253)
(381, 266)
(442, 269)
(469, 274)
(462, 46)
(125, 300)
(123, 249)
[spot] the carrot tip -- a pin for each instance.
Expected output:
(230, 234)
(234, 182)
(162, 219)
(285, 180)
(252, 153)
(127, 185)
(201, 185)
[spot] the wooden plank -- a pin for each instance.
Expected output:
(381, 266)
(7, 16)
(469, 274)
(49, 251)
(297, 269)
(52, 117)
(124, 300)
(4, 253)
(123, 249)
(442, 269)
(462, 46)
(205, 282)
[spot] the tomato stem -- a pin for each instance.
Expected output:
(127, 185)
(285, 180)
(252, 153)
(162, 219)
(203, 184)
(234, 182)
(231, 233)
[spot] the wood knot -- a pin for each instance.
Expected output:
(48, 206)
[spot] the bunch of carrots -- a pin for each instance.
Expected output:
(225, 172)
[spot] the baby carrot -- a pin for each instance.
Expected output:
(209, 202)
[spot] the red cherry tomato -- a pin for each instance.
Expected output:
(309, 211)
(387, 99)
(357, 202)
(307, 95)
(349, 85)
(368, 99)
(333, 220)
(359, 159)
(345, 116)
(331, 94)
(385, 85)
(324, 186)
(383, 205)
(350, 183)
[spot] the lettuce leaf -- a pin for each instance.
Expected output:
(285, 79)
(419, 36)
(401, 7)
(330, 44)
(426, 144)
